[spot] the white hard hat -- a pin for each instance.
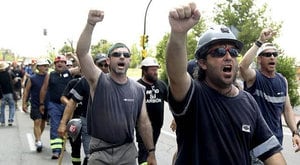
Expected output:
(42, 62)
(149, 61)
(264, 47)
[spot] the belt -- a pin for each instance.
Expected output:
(105, 148)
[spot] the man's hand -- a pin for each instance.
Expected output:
(173, 125)
(25, 107)
(266, 34)
(42, 109)
(62, 129)
(183, 18)
(95, 16)
(151, 160)
(296, 142)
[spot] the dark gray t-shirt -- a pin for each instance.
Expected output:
(115, 110)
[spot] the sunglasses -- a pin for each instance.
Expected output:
(269, 54)
(118, 54)
(221, 52)
(102, 65)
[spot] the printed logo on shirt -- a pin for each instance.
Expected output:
(246, 128)
(128, 100)
(65, 75)
(151, 95)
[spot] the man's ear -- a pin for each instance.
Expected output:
(258, 59)
(202, 64)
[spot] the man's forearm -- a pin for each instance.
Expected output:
(68, 112)
(145, 131)
(84, 41)
(249, 57)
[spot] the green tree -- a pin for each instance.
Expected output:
(136, 57)
(245, 19)
(101, 47)
(66, 49)
(289, 71)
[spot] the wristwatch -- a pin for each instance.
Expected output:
(296, 132)
(258, 43)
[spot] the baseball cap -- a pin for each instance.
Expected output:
(115, 46)
(100, 57)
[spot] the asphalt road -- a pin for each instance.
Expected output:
(17, 144)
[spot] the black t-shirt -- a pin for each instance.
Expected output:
(215, 129)
(68, 94)
(155, 95)
(6, 82)
(81, 94)
(17, 73)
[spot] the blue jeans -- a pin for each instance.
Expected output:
(11, 103)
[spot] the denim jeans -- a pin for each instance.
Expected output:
(85, 136)
(7, 98)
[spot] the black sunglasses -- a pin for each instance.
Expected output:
(102, 65)
(118, 54)
(221, 52)
(269, 54)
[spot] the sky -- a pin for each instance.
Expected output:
(23, 21)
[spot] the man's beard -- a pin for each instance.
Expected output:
(150, 78)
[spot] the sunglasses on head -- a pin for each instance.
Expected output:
(102, 65)
(221, 52)
(269, 54)
(118, 54)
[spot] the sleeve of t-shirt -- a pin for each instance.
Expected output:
(78, 91)
(179, 108)
(67, 89)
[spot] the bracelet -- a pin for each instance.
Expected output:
(151, 150)
(296, 132)
(258, 43)
(41, 104)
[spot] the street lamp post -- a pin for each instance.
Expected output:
(144, 37)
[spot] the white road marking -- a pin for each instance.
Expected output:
(30, 141)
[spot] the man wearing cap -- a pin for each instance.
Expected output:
(100, 61)
(156, 93)
(32, 91)
(6, 85)
(117, 103)
(268, 87)
(216, 123)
